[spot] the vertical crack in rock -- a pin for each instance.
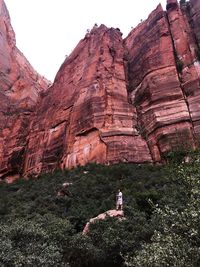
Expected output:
(154, 85)
(186, 47)
(182, 56)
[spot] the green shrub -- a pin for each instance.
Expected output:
(34, 242)
(179, 65)
(175, 156)
(40, 228)
(177, 240)
(81, 252)
(182, 2)
(198, 54)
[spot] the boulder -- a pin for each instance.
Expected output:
(110, 213)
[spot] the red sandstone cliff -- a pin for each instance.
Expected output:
(154, 83)
(89, 119)
(20, 86)
(112, 100)
(194, 10)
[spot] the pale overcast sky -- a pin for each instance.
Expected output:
(47, 30)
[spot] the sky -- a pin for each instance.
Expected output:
(48, 30)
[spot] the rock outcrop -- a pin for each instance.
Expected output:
(20, 86)
(112, 100)
(110, 213)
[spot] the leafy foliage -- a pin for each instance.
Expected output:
(38, 227)
(179, 65)
(35, 242)
(177, 241)
(182, 2)
(198, 53)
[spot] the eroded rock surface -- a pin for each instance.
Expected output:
(89, 118)
(154, 85)
(190, 75)
(195, 16)
(20, 86)
(113, 100)
(110, 213)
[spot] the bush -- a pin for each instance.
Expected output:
(179, 65)
(81, 252)
(182, 2)
(176, 156)
(177, 240)
(198, 54)
(34, 242)
(40, 228)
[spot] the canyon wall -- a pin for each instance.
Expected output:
(112, 100)
(86, 116)
(20, 86)
(194, 10)
(162, 67)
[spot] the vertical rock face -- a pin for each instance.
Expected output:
(89, 118)
(154, 85)
(20, 86)
(190, 75)
(185, 39)
(113, 100)
(195, 14)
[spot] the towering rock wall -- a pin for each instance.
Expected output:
(194, 6)
(190, 74)
(20, 86)
(113, 100)
(86, 116)
(185, 33)
(155, 48)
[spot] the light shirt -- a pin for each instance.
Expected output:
(119, 198)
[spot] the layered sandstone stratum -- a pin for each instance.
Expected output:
(112, 100)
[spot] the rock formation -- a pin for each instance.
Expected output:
(112, 100)
(89, 118)
(20, 86)
(155, 48)
(110, 213)
(194, 10)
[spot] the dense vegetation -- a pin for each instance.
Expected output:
(162, 207)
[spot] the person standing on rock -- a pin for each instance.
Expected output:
(119, 200)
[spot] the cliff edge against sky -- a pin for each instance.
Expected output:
(112, 100)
